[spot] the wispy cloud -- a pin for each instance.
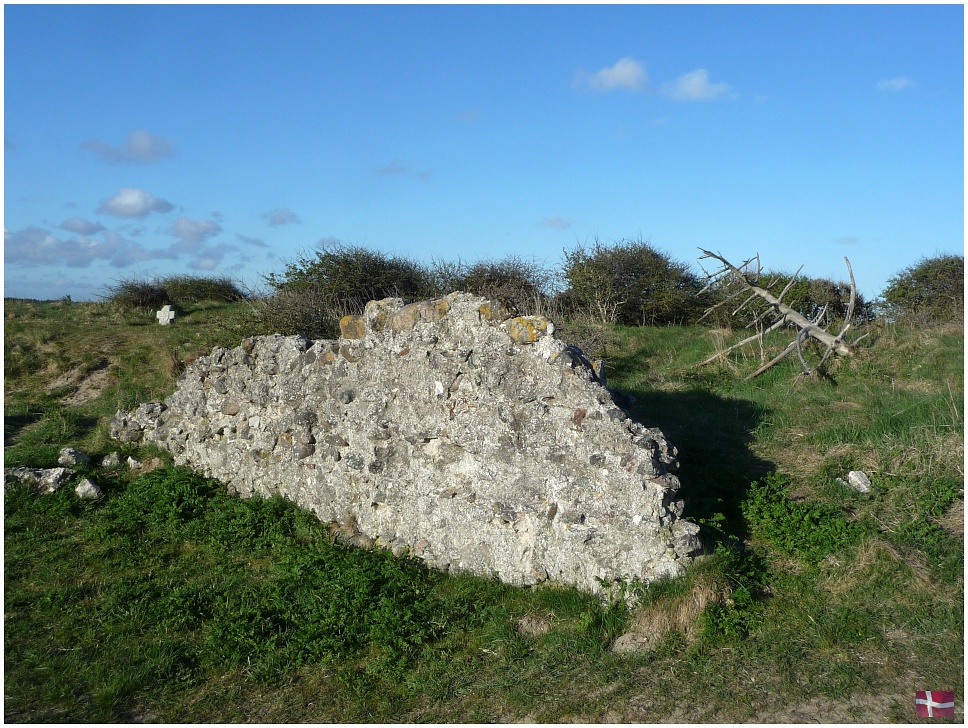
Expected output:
(210, 258)
(139, 147)
(251, 241)
(396, 169)
(898, 83)
(131, 202)
(393, 168)
(195, 231)
(696, 86)
(81, 226)
(847, 240)
(282, 216)
(469, 116)
(627, 73)
(556, 222)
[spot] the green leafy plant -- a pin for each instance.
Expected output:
(931, 290)
(632, 283)
(809, 530)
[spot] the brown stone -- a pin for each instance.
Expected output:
(423, 312)
(352, 326)
(528, 329)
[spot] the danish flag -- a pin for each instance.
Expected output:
(934, 703)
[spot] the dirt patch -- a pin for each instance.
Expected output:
(846, 406)
(655, 621)
(954, 520)
(89, 384)
(878, 708)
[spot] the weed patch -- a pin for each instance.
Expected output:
(810, 531)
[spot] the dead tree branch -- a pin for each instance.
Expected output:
(735, 280)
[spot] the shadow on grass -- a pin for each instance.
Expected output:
(13, 424)
(713, 436)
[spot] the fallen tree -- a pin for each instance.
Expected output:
(770, 313)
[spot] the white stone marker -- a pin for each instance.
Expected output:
(165, 316)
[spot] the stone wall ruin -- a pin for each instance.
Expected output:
(453, 430)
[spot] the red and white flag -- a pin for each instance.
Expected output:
(934, 703)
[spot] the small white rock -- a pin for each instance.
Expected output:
(859, 481)
(69, 456)
(133, 464)
(88, 489)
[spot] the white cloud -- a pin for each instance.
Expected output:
(134, 203)
(556, 222)
(81, 226)
(195, 231)
(139, 147)
(626, 73)
(847, 240)
(35, 246)
(898, 83)
(695, 86)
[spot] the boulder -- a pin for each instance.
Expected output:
(68, 456)
(452, 430)
(43, 480)
(87, 488)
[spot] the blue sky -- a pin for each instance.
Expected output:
(150, 140)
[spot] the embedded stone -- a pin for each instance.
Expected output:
(528, 329)
(352, 327)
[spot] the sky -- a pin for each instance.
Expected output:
(146, 141)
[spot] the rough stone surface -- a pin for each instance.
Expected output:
(858, 480)
(69, 456)
(452, 430)
(87, 488)
(44, 480)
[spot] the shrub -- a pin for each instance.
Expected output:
(306, 311)
(135, 294)
(351, 275)
(314, 292)
(632, 283)
(524, 283)
(931, 291)
(185, 289)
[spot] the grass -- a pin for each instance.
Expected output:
(170, 601)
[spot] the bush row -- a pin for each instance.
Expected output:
(629, 282)
(136, 294)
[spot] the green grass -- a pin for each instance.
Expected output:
(169, 600)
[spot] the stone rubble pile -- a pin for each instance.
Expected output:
(453, 430)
